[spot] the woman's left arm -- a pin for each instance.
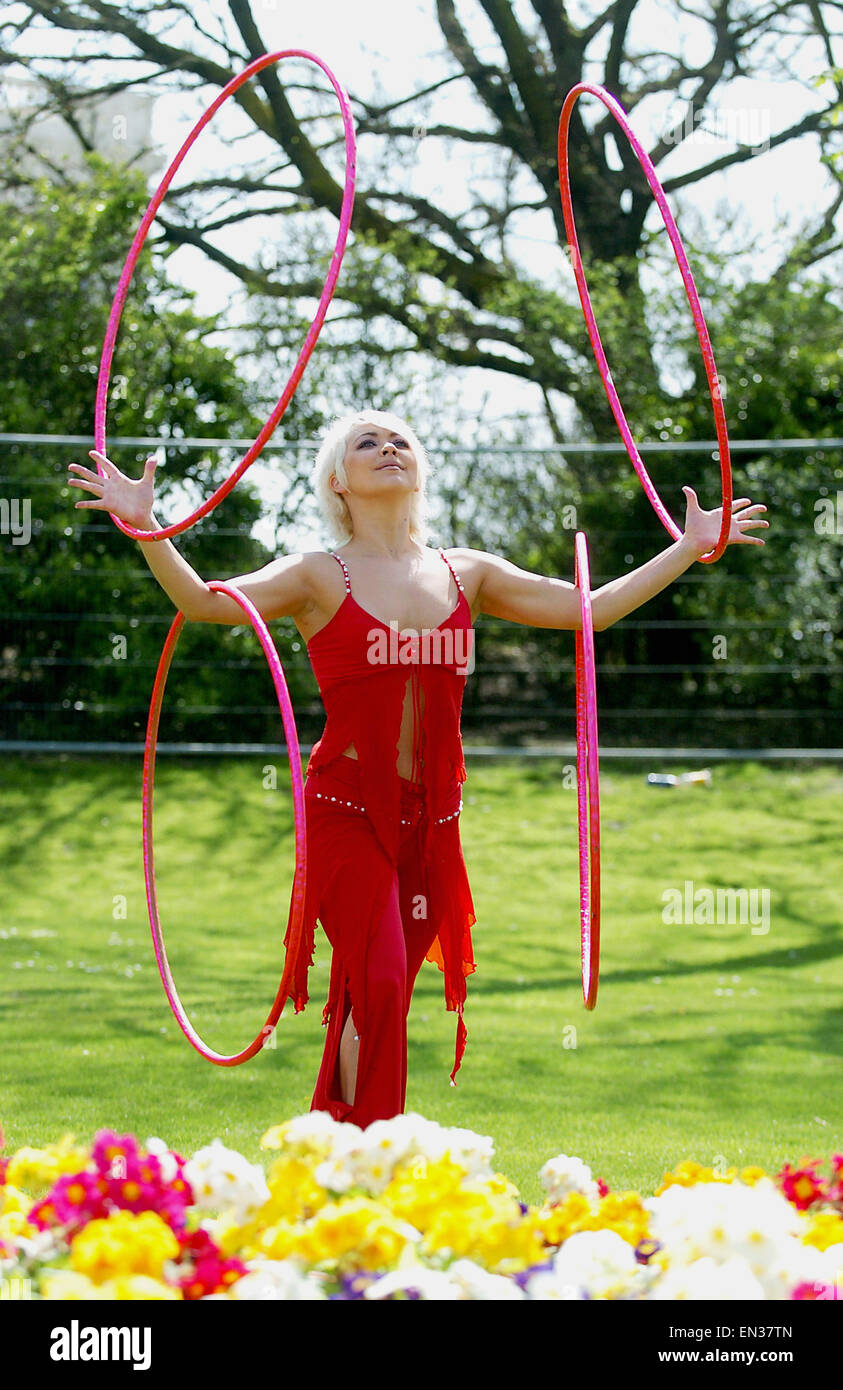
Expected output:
(539, 600)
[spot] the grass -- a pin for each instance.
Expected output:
(709, 1041)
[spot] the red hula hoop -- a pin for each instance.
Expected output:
(265, 60)
(588, 780)
(693, 299)
(298, 890)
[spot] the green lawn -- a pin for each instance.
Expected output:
(709, 1041)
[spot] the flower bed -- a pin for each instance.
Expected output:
(403, 1209)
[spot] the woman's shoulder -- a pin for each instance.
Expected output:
(468, 563)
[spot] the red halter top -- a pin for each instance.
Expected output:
(362, 666)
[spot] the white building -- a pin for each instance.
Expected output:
(117, 126)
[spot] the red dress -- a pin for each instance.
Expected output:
(386, 875)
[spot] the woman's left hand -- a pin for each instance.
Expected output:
(702, 528)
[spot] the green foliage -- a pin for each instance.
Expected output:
(79, 583)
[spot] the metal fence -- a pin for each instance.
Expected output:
(47, 656)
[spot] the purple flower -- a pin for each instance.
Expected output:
(523, 1276)
(354, 1286)
(646, 1249)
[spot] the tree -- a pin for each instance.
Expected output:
(77, 584)
(447, 281)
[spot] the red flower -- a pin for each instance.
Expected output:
(803, 1186)
(205, 1271)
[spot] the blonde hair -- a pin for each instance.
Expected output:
(331, 459)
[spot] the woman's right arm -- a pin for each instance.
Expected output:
(278, 590)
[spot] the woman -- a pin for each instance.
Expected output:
(388, 622)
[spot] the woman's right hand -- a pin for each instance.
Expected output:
(128, 498)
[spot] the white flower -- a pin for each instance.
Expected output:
(477, 1283)
(471, 1151)
(276, 1280)
(39, 1248)
(708, 1279)
(166, 1158)
(562, 1175)
(724, 1222)
(795, 1263)
(428, 1283)
(600, 1262)
(544, 1286)
(315, 1133)
(368, 1158)
(222, 1179)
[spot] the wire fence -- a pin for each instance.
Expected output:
(69, 591)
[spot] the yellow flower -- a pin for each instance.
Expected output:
(140, 1286)
(275, 1242)
(488, 1228)
(826, 1229)
(556, 1223)
(752, 1175)
(354, 1233)
(125, 1243)
(61, 1284)
(308, 1137)
(231, 1236)
(419, 1190)
(12, 1199)
(296, 1196)
(621, 1212)
(499, 1184)
(15, 1223)
(688, 1173)
(38, 1169)
(67, 1284)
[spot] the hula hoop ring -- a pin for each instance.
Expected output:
(298, 891)
(265, 60)
(693, 299)
(588, 780)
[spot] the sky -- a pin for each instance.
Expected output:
(397, 47)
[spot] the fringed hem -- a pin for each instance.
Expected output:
(462, 1038)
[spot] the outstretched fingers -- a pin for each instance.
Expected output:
(85, 475)
(109, 468)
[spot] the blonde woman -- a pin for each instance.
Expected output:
(388, 623)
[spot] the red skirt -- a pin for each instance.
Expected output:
(382, 920)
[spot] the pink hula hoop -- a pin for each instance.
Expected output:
(588, 780)
(693, 299)
(223, 490)
(298, 889)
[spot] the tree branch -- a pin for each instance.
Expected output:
(803, 127)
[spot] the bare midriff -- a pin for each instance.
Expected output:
(405, 736)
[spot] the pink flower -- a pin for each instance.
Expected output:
(807, 1290)
(124, 1178)
(73, 1200)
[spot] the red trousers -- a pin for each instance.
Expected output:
(376, 921)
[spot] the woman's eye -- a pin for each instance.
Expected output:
(402, 444)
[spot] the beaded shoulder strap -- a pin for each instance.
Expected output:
(344, 570)
(457, 579)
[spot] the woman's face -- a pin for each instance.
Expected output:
(378, 458)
